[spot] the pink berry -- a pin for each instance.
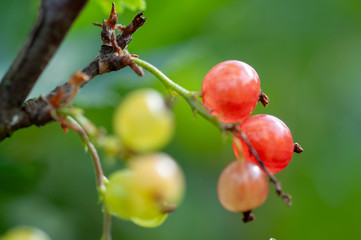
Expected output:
(231, 90)
(271, 139)
(242, 186)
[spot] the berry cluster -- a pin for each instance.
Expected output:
(263, 144)
(152, 184)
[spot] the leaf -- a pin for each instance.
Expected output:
(134, 4)
(120, 4)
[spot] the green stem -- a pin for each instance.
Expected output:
(96, 160)
(189, 96)
(77, 126)
(107, 226)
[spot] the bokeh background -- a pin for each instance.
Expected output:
(308, 56)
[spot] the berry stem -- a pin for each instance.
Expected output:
(73, 124)
(107, 226)
(190, 97)
(286, 198)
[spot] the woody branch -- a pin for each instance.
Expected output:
(17, 114)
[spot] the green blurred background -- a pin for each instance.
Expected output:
(308, 56)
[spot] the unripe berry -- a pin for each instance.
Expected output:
(144, 193)
(143, 122)
(160, 175)
(25, 233)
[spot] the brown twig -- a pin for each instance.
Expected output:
(53, 22)
(37, 111)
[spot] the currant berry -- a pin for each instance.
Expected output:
(25, 233)
(271, 139)
(231, 89)
(160, 176)
(147, 191)
(150, 223)
(143, 122)
(128, 200)
(242, 186)
(120, 194)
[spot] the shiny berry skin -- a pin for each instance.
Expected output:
(159, 175)
(242, 186)
(143, 122)
(271, 139)
(231, 90)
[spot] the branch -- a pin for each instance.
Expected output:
(37, 111)
(54, 21)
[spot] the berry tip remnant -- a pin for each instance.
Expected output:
(297, 148)
(248, 216)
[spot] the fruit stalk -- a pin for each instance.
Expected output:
(73, 124)
(107, 226)
(286, 198)
(189, 96)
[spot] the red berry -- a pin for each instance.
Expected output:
(242, 186)
(231, 90)
(271, 139)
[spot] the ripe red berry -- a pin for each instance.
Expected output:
(242, 186)
(271, 139)
(231, 90)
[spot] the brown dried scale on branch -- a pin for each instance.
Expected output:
(113, 56)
